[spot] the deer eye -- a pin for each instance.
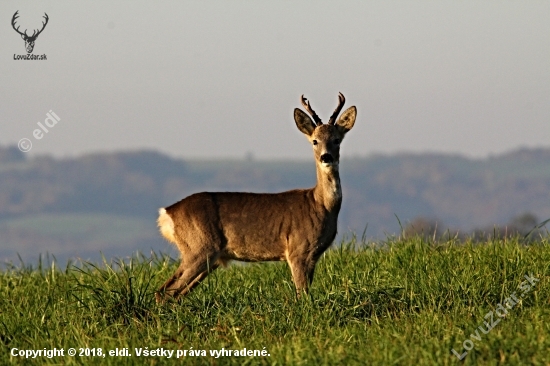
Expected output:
(314, 142)
(336, 141)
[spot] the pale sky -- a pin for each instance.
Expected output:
(222, 78)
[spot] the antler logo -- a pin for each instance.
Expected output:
(29, 40)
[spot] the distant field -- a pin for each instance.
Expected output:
(407, 303)
(461, 194)
(82, 235)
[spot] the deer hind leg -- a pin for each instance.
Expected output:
(187, 277)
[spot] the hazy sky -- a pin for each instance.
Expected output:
(222, 78)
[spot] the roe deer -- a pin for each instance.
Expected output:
(210, 229)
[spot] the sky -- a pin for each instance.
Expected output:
(220, 79)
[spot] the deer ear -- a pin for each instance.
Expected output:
(23, 36)
(303, 122)
(347, 120)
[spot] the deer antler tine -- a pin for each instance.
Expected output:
(308, 108)
(13, 19)
(43, 24)
(341, 101)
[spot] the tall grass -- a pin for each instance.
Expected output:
(403, 302)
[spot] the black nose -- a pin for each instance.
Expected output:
(327, 158)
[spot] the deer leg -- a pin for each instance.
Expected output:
(310, 273)
(302, 274)
(184, 279)
(169, 283)
(184, 290)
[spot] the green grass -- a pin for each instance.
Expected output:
(407, 303)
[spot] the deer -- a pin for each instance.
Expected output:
(212, 228)
(29, 40)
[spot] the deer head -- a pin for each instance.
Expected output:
(325, 138)
(29, 40)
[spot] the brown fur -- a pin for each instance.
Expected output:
(210, 229)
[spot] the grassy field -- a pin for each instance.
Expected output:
(407, 302)
(85, 235)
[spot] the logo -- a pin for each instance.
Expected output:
(29, 40)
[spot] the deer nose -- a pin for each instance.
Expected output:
(327, 158)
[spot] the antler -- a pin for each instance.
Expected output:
(34, 34)
(341, 101)
(307, 106)
(15, 16)
(43, 26)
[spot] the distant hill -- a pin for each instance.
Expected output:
(460, 192)
(129, 187)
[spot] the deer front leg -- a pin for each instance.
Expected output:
(302, 273)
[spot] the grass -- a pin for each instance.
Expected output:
(405, 302)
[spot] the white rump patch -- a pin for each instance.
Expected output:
(166, 226)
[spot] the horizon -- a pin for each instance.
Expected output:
(248, 157)
(69, 205)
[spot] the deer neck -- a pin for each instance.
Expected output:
(328, 191)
